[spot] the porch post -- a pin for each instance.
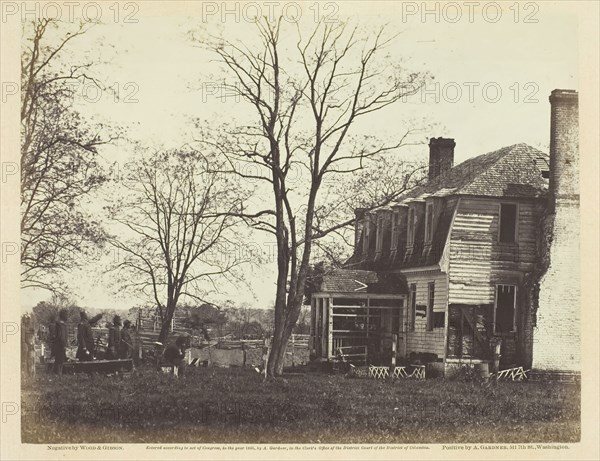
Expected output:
(317, 343)
(324, 327)
(394, 341)
(405, 324)
(330, 329)
(368, 322)
(311, 338)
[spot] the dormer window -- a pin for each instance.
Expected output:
(395, 229)
(429, 222)
(379, 235)
(366, 234)
(411, 227)
(543, 166)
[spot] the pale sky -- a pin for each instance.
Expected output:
(492, 82)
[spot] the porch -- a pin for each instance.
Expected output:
(362, 322)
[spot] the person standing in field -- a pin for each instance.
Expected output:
(85, 338)
(137, 345)
(175, 354)
(126, 341)
(27, 345)
(51, 336)
(59, 344)
(114, 339)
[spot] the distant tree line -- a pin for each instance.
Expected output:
(46, 312)
(237, 321)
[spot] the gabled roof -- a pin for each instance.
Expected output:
(360, 281)
(512, 171)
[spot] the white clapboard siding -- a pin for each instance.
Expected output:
(422, 340)
(477, 260)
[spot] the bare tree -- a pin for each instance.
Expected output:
(306, 103)
(176, 220)
(378, 183)
(59, 164)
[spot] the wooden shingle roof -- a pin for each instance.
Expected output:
(513, 171)
(362, 281)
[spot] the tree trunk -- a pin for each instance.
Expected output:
(277, 343)
(166, 325)
(280, 357)
(288, 310)
(164, 333)
(281, 335)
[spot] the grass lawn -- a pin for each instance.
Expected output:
(234, 406)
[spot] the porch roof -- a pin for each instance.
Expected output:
(364, 282)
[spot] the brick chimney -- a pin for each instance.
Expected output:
(441, 156)
(564, 145)
(556, 337)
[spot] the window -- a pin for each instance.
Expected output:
(413, 306)
(379, 234)
(508, 222)
(439, 319)
(429, 223)
(544, 166)
(505, 310)
(395, 229)
(410, 231)
(366, 234)
(430, 302)
(413, 224)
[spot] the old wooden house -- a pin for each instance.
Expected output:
(452, 266)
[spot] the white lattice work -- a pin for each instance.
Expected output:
(400, 372)
(418, 372)
(379, 372)
(514, 374)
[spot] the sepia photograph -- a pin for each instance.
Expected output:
(328, 230)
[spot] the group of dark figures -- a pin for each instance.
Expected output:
(120, 344)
